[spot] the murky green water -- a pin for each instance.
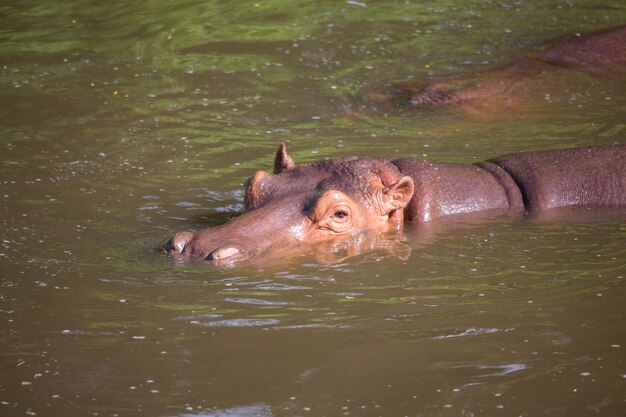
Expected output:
(122, 122)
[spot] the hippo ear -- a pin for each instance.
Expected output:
(398, 195)
(282, 161)
(253, 197)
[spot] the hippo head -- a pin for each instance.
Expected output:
(305, 205)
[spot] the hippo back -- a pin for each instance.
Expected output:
(594, 176)
(600, 48)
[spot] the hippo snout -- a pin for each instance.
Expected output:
(189, 244)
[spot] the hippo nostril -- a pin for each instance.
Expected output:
(179, 241)
(223, 252)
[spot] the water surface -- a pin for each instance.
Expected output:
(124, 122)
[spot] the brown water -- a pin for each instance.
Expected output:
(123, 123)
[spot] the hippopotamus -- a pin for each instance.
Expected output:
(302, 205)
(602, 49)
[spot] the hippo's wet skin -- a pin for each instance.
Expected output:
(301, 206)
(604, 49)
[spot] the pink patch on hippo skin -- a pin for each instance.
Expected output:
(222, 253)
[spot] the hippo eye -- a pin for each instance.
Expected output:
(334, 212)
(340, 214)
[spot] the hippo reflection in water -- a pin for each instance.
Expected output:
(357, 199)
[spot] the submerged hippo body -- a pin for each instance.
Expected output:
(604, 49)
(329, 200)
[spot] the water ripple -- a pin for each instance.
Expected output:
(281, 287)
(256, 410)
(255, 301)
(240, 323)
(472, 331)
(500, 370)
